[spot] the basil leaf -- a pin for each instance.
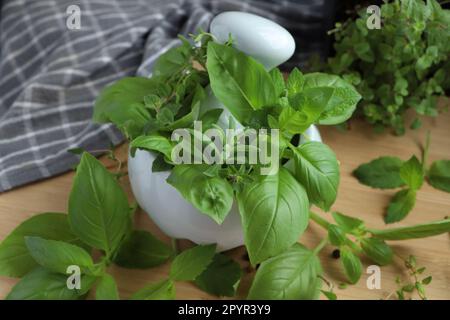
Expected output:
(212, 196)
(413, 232)
(161, 290)
(295, 82)
(347, 223)
(439, 175)
(317, 169)
(377, 250)
(15, 259)
(56, 256)
(401, 204)
(160, 164)
(220, 277)
(274, 212)
(153, 143)
(278, 81)
(382, 173)
(336, 235)
(292, 275)
(238, 81)
(173, 60)
(106, 289)
(122, 103)
(42, 284)
(411, 173)
(189, 264)
(329, 295)
(341, 103)
(210, 117)
(98, 207)
(352, 264)
(142, 250)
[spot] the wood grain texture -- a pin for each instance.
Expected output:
(352, 148)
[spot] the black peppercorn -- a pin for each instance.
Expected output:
(336, 254)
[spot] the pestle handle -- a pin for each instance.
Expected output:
(266, 41)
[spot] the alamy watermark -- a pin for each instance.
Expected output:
(73, 21)
(374, 19)
(230, 146)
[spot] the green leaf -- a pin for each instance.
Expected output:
(98, 207)
(142, 250)
(352, 265)
(329, 295)
(413, 232)
(189, 264)
(278, 81)
(56, 256)
(401, 204)
(342, 101)
(210, 117)
(336, 235)
(427, 280)
(292, 275)
(439, 175)
(274, 213)
(122, 103)
(347, 223)
(377, 250)
(212, 196)
(295, 82)
(382, 173)
(411, 173)
(317, 169)
(173, 60)
(42, 284)
(106, 288)
(220, 277)
(153, 143)
(238, 81)
(161, 290)
(15, 259)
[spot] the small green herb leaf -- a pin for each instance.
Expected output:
(220, 277)
(106, 288)
(189, 264)
(382, 173)
(213, 196)
(377, 250)
(153, 143)
(161, 290)
(352, 264)
(278, 81)
(142, 250)
(439, 175)
(42, 284)
(56, 256)
(15, 259)
(292, 275)
(329, 295)
(336, 235)
(295, 82)
(347, 223)
(411, 173)
(400, 206)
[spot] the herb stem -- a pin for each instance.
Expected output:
(320, 246)
(319, 220)
(174, 242)
(426, 151)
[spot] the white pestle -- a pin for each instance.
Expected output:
(264, 40)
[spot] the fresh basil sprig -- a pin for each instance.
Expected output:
(391, 172)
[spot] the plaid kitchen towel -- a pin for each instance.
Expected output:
(52, 67)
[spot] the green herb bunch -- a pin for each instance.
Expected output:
(391, 172)
(403, 65)
(274, 209)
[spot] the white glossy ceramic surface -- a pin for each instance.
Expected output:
(263, 39)
(270, 44)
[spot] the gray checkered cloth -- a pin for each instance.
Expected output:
(50, 74)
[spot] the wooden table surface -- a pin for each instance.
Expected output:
(352, 148)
